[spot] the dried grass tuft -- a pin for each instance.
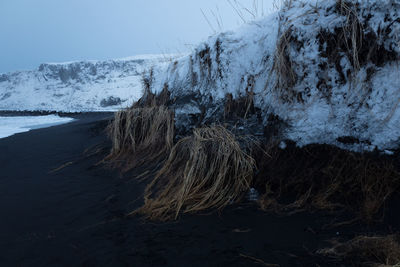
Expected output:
(139, 135)
(240, 107)
(376, 251)
(347, 41)
(150, 99)
(352, 33)
(203, 171)
(282, 66)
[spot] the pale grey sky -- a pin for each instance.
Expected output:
(37, 31)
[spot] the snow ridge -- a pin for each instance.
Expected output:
(77, 86)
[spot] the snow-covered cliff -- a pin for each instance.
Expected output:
(77, 86)
(325, 71)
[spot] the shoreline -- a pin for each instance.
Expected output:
(12, 113)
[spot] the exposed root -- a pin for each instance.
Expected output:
(376, 251)
(140, 134)
(205, 170)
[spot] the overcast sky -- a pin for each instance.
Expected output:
(37, 31)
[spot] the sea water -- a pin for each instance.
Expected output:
(16, 124)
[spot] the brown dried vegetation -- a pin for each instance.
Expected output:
(282, 66)
(240, 107)
(139, 135)
(203, 171)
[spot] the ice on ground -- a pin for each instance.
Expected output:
(13, 125)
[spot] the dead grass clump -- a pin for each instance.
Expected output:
(240, 107)
(357, 41)
(347, 41)
(352, 32)
(243, 105)
(140, 134)
(376, 251)
(205, 170)
(205, 62)
(150, 99)
(328, 178)
(282, 66)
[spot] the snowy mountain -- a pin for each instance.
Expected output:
(316, 72)
(77, 86)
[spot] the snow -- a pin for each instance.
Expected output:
(327, 100)
(19, 124)
(130, 58)
(78, 86)
(367, 109)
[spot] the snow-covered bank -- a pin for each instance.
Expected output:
(13, 125)
(326, 71)
(77, 86)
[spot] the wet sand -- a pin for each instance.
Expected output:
(75, 215)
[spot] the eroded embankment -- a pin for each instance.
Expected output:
(302, 106)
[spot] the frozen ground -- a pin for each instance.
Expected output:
(13, 125)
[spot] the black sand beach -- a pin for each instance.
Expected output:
(75, 215)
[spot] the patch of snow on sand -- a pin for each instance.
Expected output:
(13, 125)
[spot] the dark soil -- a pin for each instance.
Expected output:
(75, 216)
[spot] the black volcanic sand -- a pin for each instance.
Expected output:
(75, 216)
